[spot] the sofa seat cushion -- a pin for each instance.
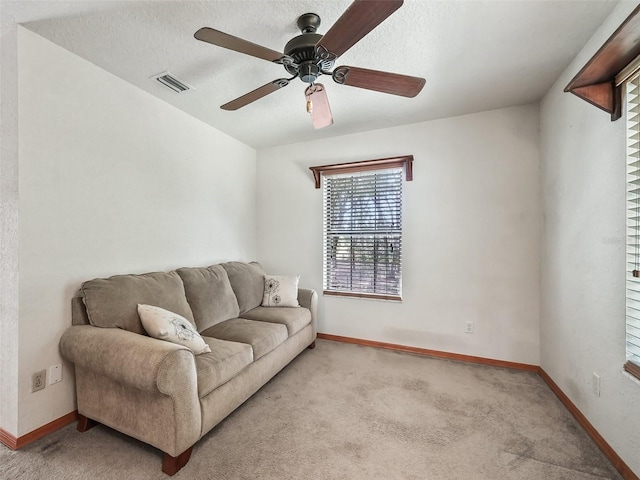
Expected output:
(262, 336)
(210, 295)
(294, 318)
(224, 362)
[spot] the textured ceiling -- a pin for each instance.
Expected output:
(475, 55)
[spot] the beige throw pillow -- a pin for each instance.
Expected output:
(280, 291)
(165, 325)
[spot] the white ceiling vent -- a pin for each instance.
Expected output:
(170, 81)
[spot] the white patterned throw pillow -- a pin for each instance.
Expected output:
(280, 291)
(165, 325)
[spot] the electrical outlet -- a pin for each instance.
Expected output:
(595, 384)
(55, 374)
(37, 380)
(468, 326)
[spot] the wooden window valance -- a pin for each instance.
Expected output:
(405, 161)
(595, 82)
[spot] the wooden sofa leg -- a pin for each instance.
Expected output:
(312, 346)
(170, 465)
(85, 423)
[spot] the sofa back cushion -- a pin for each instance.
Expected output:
(210, 295)
(113, 302)
(247, 281)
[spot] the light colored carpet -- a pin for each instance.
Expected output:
(350, 412)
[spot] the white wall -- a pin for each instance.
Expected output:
(471, 232)
(8, 225)
(583, 256)
(112, 180)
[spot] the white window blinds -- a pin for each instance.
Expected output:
(363, 233)
(633, 226)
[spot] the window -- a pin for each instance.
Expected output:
(633, 226)
(363, 233)
(363, 229)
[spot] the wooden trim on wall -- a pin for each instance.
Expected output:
(595, 82)
(602, 444)
(9, 440)
(430, 353)
(405, 161)
(17, 443)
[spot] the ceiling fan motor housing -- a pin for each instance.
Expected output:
(303, 50)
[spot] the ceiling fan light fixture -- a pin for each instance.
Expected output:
(318, 106)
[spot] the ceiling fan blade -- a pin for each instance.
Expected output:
(256, 94)
(318, 106)
(225, 40)
(385, 82)
(358, 20)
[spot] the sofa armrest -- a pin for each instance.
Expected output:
(149, 370)
(309, 299)
(127, 357)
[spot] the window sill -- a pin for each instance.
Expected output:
(368, 296)
(629, 377)
(633, 370)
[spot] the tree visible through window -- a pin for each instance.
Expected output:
(363, 233)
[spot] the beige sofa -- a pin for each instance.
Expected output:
(160, 392)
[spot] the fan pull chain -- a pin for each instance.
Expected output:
(308, 93)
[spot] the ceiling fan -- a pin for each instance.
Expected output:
(310, 55)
